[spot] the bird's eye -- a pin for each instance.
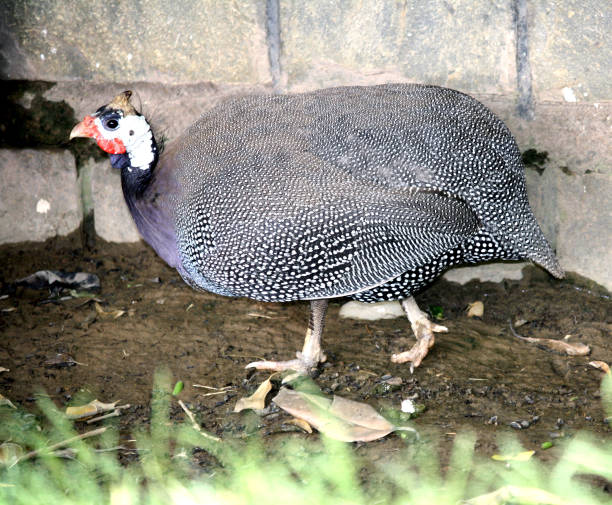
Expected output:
(111, 124)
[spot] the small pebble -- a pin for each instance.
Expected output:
(516, 425)
(525, 424)
(394, 381)
(529, 399)
(408, 406)
(492, 420)
(535, 419)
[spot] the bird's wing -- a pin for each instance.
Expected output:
(380, 240)
(336, 246)
(400, 235)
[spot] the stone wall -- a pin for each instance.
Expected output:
(542, 66)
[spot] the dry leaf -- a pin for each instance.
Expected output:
(9, 453)
(257, 401)
(561, 346)
(91, 409)
(61, 360)
(475, 309)
(5, 401)
(337, 418)
(300, 423)
(520, 456)
(602, 365)
(513, 494)
(115, 314)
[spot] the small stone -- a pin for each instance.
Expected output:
(394, 381)
(408, 406)
(516, 425)
(492, 420)
(525, 424)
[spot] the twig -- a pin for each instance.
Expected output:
(514, 331)
(68, 441)
(114, 413)
(195, 424)
(213, 393)
(210, 387)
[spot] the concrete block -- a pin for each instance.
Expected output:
(113, 220)
(584, 242)
(577, 137)
(570, 50)
(149, 40)
(463, 44)
(39, 195)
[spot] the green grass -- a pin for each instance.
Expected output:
(290, 470)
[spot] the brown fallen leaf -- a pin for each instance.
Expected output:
(92, 408)
(115, 314)
(602, 365)
(514, 494)
(338, 418)
(61, 360)
(5, 401)
(561, 346)
(9, 453)
(257, 401)
(475, 309)
(519, 456)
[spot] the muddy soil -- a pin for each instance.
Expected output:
(478, 376)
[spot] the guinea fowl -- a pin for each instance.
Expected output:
(362, 192)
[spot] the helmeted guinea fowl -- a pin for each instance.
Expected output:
(365, 192)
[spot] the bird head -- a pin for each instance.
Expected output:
(119, 128)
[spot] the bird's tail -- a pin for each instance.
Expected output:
(528, 240)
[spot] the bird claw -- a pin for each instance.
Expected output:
(302, 365)
(424, 330)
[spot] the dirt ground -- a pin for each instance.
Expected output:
(478, 376)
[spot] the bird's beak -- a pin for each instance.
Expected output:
(85, 128)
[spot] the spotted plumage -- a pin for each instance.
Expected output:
(367, 192)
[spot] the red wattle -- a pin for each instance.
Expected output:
(111, 146)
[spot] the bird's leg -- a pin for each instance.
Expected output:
(423, 330)
(311, 354)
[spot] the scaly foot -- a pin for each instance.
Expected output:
(311, 354)
(423, 330)
(302, 364)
